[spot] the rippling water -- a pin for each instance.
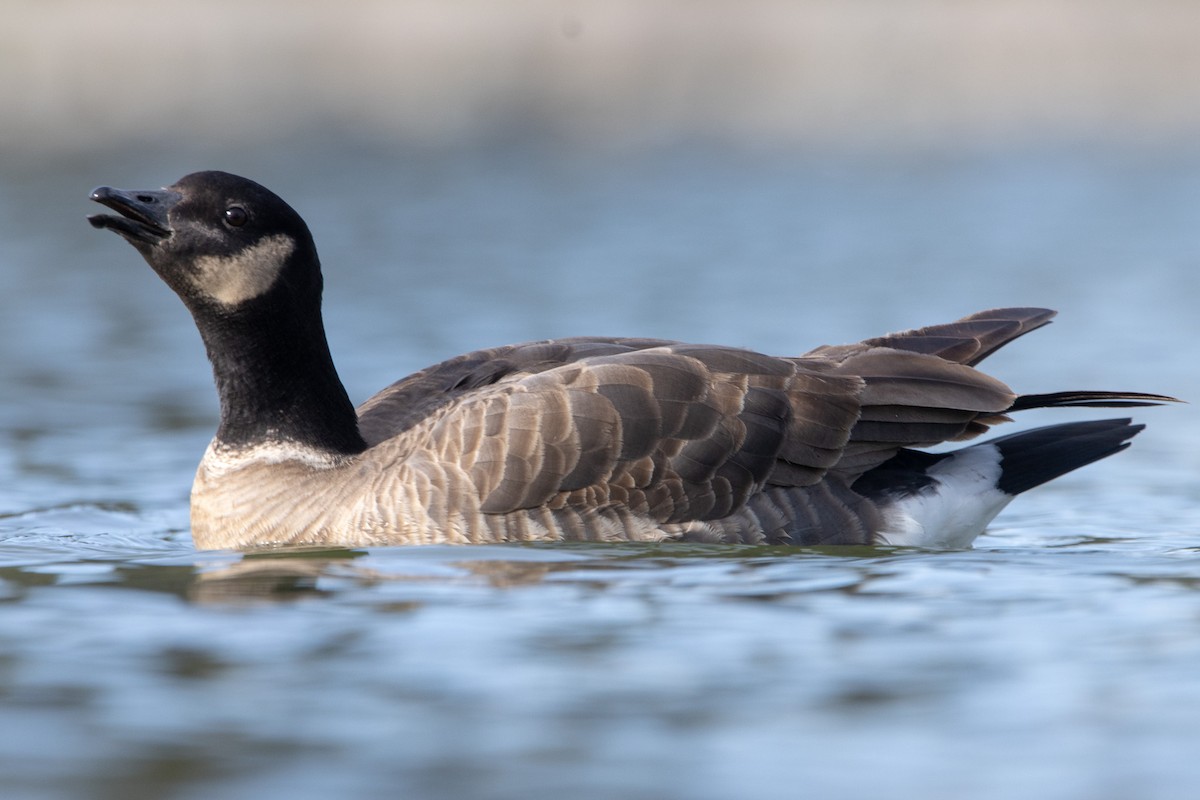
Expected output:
(1059, 659)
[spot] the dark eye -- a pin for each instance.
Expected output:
(236, 216)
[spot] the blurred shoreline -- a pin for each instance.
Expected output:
(871, 74)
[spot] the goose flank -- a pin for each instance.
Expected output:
(597, 439)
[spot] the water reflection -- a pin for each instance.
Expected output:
(585, 652)
(273, 579)
(261, 578)
(753, 574)
(750, 572)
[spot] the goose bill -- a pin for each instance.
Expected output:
(143, 214)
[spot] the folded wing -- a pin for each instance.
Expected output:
(679, 432)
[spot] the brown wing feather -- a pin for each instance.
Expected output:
(410, 401)
(965, 341)
(921, 388)
(676, 433)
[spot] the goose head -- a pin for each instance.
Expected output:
(244, 263)
(222, 242)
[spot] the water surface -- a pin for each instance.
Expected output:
(1059, 658)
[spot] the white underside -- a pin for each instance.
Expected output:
(955, 509)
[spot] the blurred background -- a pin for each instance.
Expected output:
(766, 173)
(605, 74)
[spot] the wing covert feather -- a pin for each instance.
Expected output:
(660, 430)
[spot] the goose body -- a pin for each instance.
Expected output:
(602, 439)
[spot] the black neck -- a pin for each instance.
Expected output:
(276, 379)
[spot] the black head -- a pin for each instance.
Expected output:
(217, 239)
(244, 264)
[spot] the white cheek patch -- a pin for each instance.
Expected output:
(232, 280)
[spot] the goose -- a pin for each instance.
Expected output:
(592, 439)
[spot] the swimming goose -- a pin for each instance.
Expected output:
(602, 439)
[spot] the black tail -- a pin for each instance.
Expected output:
(1089, 399)
(1031, 458)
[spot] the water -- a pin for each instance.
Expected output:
(1057, 659)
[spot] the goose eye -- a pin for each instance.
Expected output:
(236, 216)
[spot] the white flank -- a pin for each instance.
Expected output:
(955, 509)
(232, 280)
